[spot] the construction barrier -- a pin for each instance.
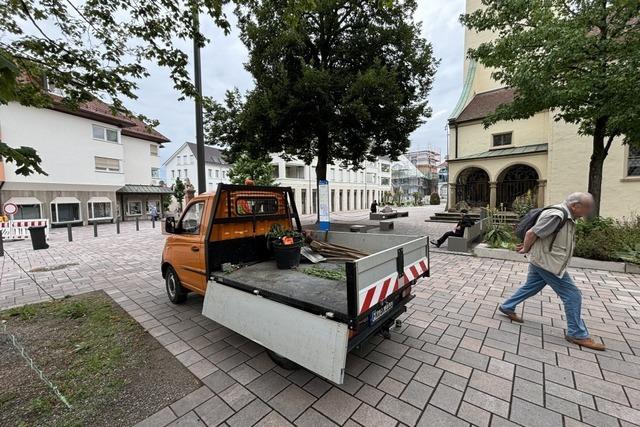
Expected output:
(19, 228)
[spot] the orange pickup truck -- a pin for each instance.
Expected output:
(309, 320)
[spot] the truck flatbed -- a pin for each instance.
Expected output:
(292, 286)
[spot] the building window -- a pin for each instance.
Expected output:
(275, 171)
(210, 173)
(502, 139)
(186, 175)
(633, 161)
(65, 209)
(100, 210)
(153, 149)
(28, 212)
(191, 159)
(224, 174)
(384, 167)
(384, 181)
(134, 207)
(179, 161)
(106, 164)
(173, 173)
(155, 173)
(105, 134)
(295, 172)
(179, 173)
(217, 173)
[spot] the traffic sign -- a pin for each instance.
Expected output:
(10, 208)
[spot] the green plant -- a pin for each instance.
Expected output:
(326, 273)
(607, 239)
(500, 236)
(278, 232)
(434, 199)
(524, 203)
(630, 254)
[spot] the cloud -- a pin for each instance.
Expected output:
(223, 68)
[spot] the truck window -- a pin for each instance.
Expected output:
(256, 206)
(191, 219)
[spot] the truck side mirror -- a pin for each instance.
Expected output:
(170, 225)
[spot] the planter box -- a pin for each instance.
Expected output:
(484, 251)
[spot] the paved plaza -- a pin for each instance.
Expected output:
(454, 361)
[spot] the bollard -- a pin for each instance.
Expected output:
(137, 224)
(95, 229)
(69, 233)
(153, 222)
(1, 245)
(117, 226)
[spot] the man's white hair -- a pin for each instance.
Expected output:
(579, 197)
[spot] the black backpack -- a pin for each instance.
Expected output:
(529, 220)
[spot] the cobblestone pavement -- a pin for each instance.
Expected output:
(454, 361)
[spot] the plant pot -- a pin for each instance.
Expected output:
(287, 256)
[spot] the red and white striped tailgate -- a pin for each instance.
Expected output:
(377, 292)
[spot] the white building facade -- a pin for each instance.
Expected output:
(92, 160)
(349, 189)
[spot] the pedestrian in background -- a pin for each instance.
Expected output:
(549, 245)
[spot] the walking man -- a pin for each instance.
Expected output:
(550, 244)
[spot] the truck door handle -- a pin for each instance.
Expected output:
(195, 249)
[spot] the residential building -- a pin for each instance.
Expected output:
(182, 164)
(408, 180)
(426, 161)
(99, 166)
(493, 166)
(349, 189)
(443, 181)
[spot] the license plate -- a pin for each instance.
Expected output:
(377, 314)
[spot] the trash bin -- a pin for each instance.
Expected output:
(38, 237)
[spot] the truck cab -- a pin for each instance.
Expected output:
(311, 321)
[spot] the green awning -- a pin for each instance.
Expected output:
(503, 152)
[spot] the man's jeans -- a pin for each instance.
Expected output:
(570, 295)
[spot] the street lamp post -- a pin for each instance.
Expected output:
(197, 73)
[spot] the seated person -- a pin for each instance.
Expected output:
(465, 221)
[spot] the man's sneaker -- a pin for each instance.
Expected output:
(435, 244)
(511, 315)
(586, 342)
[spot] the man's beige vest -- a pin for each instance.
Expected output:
(556, 258)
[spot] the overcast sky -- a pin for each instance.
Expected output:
(222, 69)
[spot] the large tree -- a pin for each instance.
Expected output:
(93, 48)
(578, 58)
(341, 80)
(258, 170)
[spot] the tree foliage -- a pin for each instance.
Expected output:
(93, 48)
(343, 80)
(259, 170)
(578, 58)
(178, 191)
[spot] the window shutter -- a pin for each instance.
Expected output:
(107, 164)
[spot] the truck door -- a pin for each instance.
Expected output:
(189, 247)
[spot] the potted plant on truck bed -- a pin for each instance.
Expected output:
(285, 245)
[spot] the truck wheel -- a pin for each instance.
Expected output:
(176, 293)
(283, 362)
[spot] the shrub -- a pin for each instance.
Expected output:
(434, 199)
(607, 239)
(524, 203)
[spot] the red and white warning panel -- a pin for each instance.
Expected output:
(377, 292)
(19, 228)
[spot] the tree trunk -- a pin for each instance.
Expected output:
(596, 164)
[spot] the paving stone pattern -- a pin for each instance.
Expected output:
(454, 362)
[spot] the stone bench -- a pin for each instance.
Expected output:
(358, 228)
(471, 234)
(379, 216)
(386, 225)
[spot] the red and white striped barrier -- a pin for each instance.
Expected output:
(19, 228)
(377, 292)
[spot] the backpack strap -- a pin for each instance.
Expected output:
(565, 218)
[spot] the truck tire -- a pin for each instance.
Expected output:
(283, 362)
(176, 293)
